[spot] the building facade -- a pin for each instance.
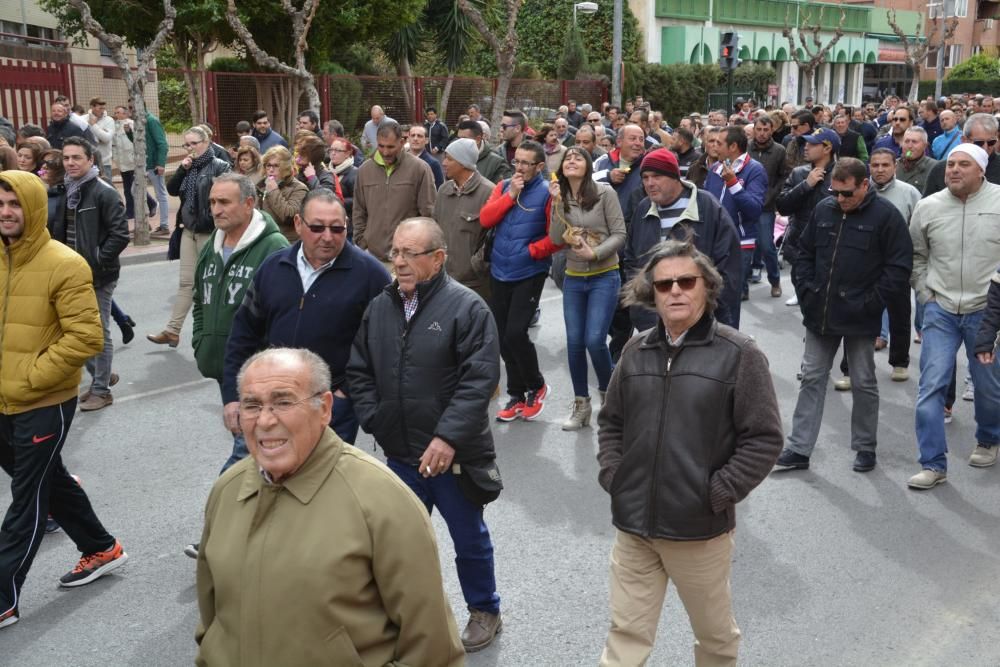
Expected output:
(866, 62)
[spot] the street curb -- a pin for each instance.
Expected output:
(143, 257)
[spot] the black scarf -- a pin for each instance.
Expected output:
(191, 178)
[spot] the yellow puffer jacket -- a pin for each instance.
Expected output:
(49, 322)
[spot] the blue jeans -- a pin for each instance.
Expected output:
(473, 547)
(344, 423)
(99, 366)
(766, 254)
(588, 307)
(160, 187)
(943, 333)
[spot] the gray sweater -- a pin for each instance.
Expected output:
(605, 219)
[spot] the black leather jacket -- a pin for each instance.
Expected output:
(849, 266)
(204, 223)
(687, 432)
(100, 224)
(431, 376)
(797, 201)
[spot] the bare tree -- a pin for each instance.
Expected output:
(814, 55)
(505, 51)
(917, 50)
(135, 81)
(301, 22)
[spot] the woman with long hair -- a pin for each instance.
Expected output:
(554, 150)
(588, 219)
(279, 193)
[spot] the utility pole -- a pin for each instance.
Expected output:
(943, 9)
(616, 57)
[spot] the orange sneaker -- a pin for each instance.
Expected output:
(94, 566)
(9, 618)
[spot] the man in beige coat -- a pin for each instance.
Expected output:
(314, 552)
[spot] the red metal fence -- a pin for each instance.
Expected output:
(28, 87)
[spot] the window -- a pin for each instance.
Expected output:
(953, 56)
(959, 8)
(105, 49)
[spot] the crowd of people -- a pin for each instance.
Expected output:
(336, 288)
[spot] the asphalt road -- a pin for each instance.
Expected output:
(831, 567)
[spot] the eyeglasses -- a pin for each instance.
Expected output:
(409, 255)
(319, 229)
(842, 193)
(253, 409)
(338, 150)
(984, 143)
(505, 126)
(686, 283)
(900, 120)
(523, 163)
(192, 145)
(271, 165)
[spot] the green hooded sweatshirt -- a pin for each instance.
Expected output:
(219, 287)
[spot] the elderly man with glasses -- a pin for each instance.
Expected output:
(423, 367)
(315, 553)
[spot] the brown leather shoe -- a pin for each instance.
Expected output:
(164, 338)
(112, 382)
(482, 629)
(95, 402)
(775, 291)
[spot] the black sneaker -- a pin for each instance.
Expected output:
(534, 318)
(864, 462)
(191, 550)
(51, 526)
(128, 330)
(94, 566)
(792, 461)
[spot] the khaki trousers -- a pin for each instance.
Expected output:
(191, 245)
(640, 570)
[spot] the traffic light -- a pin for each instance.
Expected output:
(729, 51)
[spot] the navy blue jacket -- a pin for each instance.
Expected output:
(714, 235)
(744, 201)
(521, 244)
(275, 312)
(435, 168)
(628, 188)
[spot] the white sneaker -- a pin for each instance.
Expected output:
(843, 384)
(983, 457)
(969, 394)
(794, 301)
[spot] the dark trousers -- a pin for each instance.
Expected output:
(513, 305)
(128, 178)
(621, 326)
(473, 546)
(30, 446)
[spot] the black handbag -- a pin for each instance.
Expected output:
(481, 484)
(174, 245)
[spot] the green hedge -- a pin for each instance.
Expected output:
(954, 87)
(345, 100)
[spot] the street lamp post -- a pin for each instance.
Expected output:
(616, 57)
(585, 7)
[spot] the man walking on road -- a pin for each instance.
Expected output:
(854, 257)
(51, 326)
(955, 256)
(427, 330)
(310, 295)
(92, 221)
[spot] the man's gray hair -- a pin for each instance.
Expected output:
(318, 370)
(247, 189)
(917, 130)
(640, 291)
(621, 130)
(585, 129)
(389, 128)
(984, 121)
(435, 235)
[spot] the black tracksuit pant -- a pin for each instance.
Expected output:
(30, 446)
(513, 305)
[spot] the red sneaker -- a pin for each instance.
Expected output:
(535, 402)
(94, 566)
(512, 410)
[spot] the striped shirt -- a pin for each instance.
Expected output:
(669, 215)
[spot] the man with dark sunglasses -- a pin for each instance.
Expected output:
(310, 295)
(854, 256)
(979, 129)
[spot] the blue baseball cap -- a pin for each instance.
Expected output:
(824, 135)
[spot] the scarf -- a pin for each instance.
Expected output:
(191, 178)
(344, 166)
(74, 186)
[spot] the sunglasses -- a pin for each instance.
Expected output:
(842, 193)
(686, 283)
(984, 143)
(319, 229)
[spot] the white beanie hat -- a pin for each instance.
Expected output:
(973, 151)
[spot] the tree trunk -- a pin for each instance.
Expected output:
(406, 86)
(506, 71)
(136, 90)
(914, 82)
(309, 86)
(446, 96)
